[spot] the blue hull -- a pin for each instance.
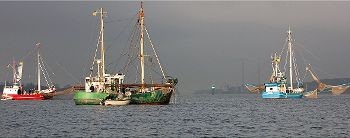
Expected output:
(281, 95)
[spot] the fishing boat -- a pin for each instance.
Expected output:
(16, 91)
(277, 86)
(148, 91)
(50, 91)
(100, 86)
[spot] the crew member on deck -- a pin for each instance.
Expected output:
(92, 88)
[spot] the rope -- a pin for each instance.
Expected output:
(45, 73)
(130, 54)
(155, 53)
(153, 69)
(93, 62)
(305, 63)
(323, 72)
(301, 46)
(93, 23)
(41, 68)
(295, 68)
(46, 65)
(28, 54)
(118, 35)
(68, 73)
(284, 47)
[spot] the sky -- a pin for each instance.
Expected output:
(200, 42)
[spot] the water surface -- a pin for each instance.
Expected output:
(230, 115)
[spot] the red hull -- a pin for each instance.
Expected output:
(27, 97)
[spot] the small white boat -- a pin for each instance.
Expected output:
(120, 100)
(117, 102)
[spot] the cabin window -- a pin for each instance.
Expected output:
(270, 89)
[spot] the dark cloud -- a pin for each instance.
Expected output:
(199, 42)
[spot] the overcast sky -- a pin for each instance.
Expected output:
(200, 43)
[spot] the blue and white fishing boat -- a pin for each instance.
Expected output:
(278, 87)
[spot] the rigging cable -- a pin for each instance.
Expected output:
(119, 34)
(132, 45)
(45, 72)
(155, 53)
(92, 37)
(41, 68)
(305, 62)
(69, 74)
(93, 62)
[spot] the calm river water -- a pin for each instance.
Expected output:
(230, 115)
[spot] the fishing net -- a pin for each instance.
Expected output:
(337, 90)
(255, 89)
(321, 86)
(312, 94)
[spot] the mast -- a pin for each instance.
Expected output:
(39, 87)
(142, 57)
(290, 57)
(276, 62)
(101, 70)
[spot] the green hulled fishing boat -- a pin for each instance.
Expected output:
(89, 98)
(152, 93)
(148, 91)
(152, 97)
(98, 87)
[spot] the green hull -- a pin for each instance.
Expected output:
(89, 98)
(152, 97)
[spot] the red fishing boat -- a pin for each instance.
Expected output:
(36, 96)
(16, 91)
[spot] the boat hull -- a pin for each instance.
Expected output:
(281, 95)
(161, 97)
(89, 98)
(116, 102)
(22, 97)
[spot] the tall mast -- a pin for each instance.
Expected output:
(101, 71)
(290, 57)
(142, 57)
(39, 87)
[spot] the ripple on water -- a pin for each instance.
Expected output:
(235, 115)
